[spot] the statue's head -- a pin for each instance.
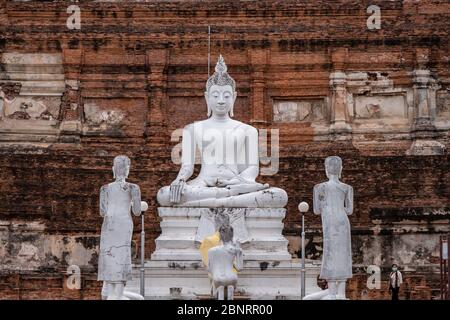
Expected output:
(220, 91)
(333, 166)
(226, 233)
(221, 218)
(121, 167)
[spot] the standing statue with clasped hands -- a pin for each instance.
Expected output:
(333, 201)
(117, 199)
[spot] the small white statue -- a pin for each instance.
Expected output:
(333, 200)
(213, 239)
(116, 201)
(221, 263)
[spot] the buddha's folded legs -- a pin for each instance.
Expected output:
(214, 197)
(192, 193)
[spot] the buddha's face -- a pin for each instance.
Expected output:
(220, 100)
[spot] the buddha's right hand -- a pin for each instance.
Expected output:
(176, 190)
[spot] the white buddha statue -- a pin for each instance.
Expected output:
(222, 261)
(333, 200)
(229, 157)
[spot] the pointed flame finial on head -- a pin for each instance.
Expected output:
(220, 77)
(221, 67)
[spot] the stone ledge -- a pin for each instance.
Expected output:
(255, 281)
(179, 232)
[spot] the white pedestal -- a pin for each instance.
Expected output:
(176, 271)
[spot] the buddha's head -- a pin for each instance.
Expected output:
(121, 167)
(333, 166)
(220, 91)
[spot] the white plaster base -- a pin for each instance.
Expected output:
(276, 282)
(175, 270)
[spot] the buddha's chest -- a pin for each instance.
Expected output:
(220, 141)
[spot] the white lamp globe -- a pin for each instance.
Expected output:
(144, 206)
(303, 207)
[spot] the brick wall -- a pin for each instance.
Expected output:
(143, 68)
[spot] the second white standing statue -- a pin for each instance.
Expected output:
(333, 200)
(116, 201)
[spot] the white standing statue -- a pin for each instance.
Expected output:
(229, 157)
(116, 201)
(221, 263)
(333, 200)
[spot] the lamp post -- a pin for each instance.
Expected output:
(144, 207)
(303, 207)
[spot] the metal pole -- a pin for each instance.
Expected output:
(209, 49)
(142, 282)
(302, 293)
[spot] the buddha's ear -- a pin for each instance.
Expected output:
(232, 106)
(207, 104)
(114, 172)
(231, 113)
